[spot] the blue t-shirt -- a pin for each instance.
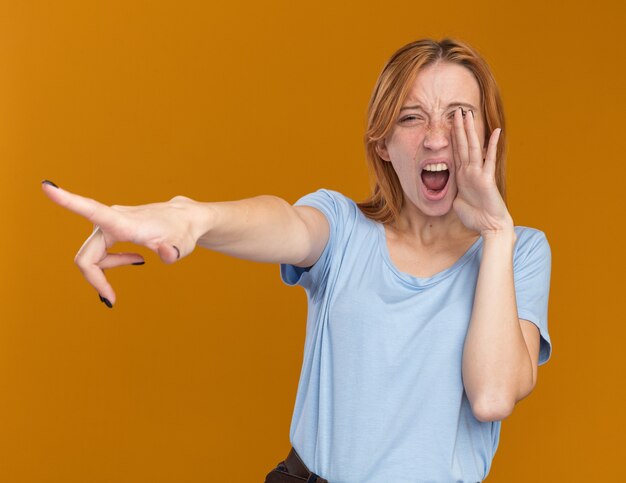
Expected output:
(381, 396)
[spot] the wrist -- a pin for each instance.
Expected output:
(199, 216)
(500, 229)
(205, 220)
(504, 234)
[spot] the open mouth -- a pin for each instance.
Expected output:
(435, 178)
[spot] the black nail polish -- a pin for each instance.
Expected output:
(45, 181)
(139, 263)
(105, 301)
(177, 251)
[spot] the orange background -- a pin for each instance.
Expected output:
(196, 368)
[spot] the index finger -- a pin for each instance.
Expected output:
(94, 211)
(460, 137)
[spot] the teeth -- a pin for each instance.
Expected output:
(436, 167)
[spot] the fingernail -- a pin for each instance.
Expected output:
(177, 251)
(472, 112)
(105, 301)
(462, 111)
(45, 181)
(139, 263)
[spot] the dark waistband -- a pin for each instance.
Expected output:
(293, 470)
(297, 467)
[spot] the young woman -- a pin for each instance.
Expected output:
(427, 305)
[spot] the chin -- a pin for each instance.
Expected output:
(440, 209)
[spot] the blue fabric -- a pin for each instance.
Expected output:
(380, 397)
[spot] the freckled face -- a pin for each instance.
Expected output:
(421, 136)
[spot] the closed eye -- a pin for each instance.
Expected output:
(411, 117)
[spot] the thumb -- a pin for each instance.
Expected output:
(168, 253)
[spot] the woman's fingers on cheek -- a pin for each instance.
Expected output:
(492, 149)
(493, 141)
(460, 136)
(475, 150)
(455, 154)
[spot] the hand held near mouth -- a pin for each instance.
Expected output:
(478, 203)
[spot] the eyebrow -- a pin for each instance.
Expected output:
(453, 104)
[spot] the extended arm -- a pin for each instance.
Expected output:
(265, 228)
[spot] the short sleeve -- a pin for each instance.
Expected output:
(531, 267)
(337, 210)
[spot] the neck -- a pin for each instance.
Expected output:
(430, 230)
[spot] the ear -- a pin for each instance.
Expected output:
(381, 149)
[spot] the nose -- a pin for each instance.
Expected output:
(437, 135)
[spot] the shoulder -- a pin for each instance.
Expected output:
(333, 204)
(528, 232)
(529, 236)
(532, 243)
(328, 195)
